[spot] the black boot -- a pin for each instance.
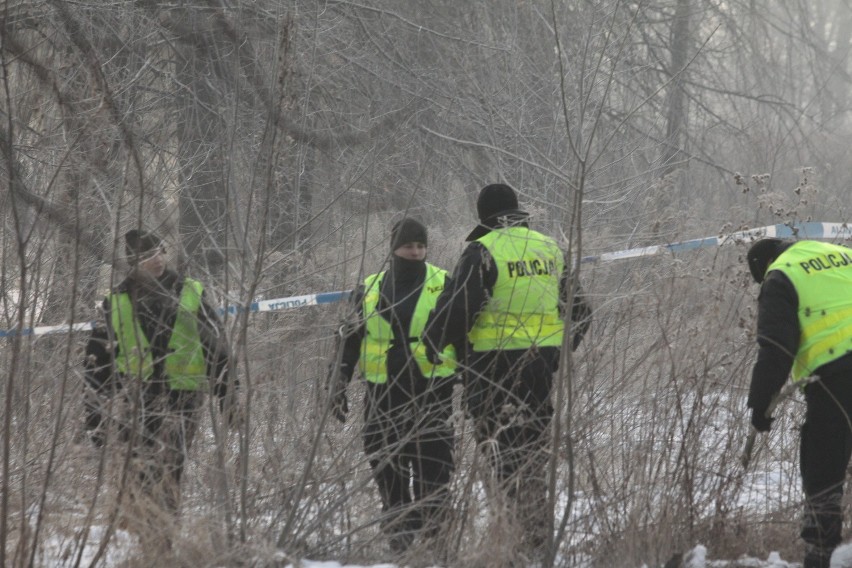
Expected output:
(401, 541)
(816, 557)
(402, 527)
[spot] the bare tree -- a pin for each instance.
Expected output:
(274, 143)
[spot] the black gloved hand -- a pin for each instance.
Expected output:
(760, 421)
(97, 437)
(432, 353)
(335, 386)
(340, 405)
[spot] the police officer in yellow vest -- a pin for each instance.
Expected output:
(167, 348)
(509, 290)
(804, 326)
(407, 434)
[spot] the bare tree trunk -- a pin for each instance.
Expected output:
(201, 134)
(676, 108)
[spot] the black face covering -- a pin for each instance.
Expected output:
(400, 291)
(404, 270)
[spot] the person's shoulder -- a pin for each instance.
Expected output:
(776, 277)
(98, 341)
(172, 280)
(122, 287)
(430, 266)
(776, 285)
(474, 253)
(474, 247)
(543, 236)
(356, 296)
(171, 277)
(178, 277)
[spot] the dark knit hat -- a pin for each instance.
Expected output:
(495, 200)
(408, 230)
(762, 254)
(140, 243)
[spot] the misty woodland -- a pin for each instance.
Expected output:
(293, 235)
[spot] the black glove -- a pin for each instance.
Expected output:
(760, 421)
(432, 353)
(340, 404)
(97, 437)
(335, 386)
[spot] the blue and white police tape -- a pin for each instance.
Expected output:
(260, 306)
(49, 329)
(291, 302)
(811, 230)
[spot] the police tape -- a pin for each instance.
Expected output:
(809, 230)
(289, 303)
(259, 306)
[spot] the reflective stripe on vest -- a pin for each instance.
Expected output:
(821, 273)
(373, 362)
(184, 365)
(524, 307)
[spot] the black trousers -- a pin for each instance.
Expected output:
(409, 445)
(508, 394)
(168, 423)
(825, 450)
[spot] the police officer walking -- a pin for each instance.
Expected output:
(507, 298)
(163, 347)
(804, 325)
(407, 434)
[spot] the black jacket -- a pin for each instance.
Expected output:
(472, 284)
(155, 303)
(778, 341)
(399, 291)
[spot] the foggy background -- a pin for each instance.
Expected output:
(274, 143)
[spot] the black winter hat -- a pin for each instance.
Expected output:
(762, 254)
(138, 243)
(408, 230)
(495, 200)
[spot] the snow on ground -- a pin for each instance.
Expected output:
(122, 549)
(312, 564)
(63, 551)
(842, 557)
(695, 558)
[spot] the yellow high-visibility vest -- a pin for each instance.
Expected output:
(524, 308)
(184, 365)
(377, 339)
(821, 273)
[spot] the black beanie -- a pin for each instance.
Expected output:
(762, 254)
(138, 243)
(407, 230)
(496, 199)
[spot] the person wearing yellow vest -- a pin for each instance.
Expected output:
(510, 288)
(407, 433)
(804, 328)
(163, 346)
